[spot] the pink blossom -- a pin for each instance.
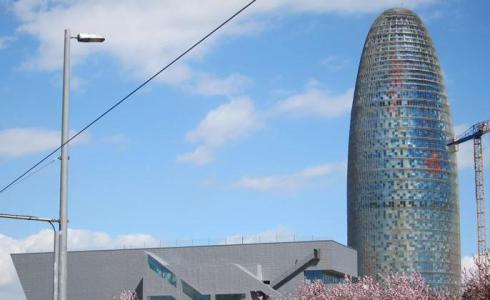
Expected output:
(401, 287)
(476, 282)
(126, 295)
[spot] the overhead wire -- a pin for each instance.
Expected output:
(34, 172)
(111, 108)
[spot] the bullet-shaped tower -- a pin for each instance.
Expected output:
(403, 204)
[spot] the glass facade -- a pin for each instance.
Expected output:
(192, 292)
(230, 297)
(322, 276)
(162, 271)
(403, 204)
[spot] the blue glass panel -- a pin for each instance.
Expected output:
(193, 293)
(162, 271)
(322, 276)
(230, 297)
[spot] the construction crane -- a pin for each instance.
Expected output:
(475, 133)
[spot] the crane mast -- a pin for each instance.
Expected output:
(475, 133)
(480, 198)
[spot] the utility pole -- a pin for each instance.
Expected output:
(64, 170)
(55, 243)
(63, 224)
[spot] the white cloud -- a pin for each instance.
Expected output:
(12, 292)
(334, 62)
(468, 264)
(230, 85)
(78, 83)
(227, 123)
(200, 156)
(145, 35)
(43, 241)
(5, 41)
(337, 6)
(279, 234)
(318, 102)
(87, 239)
(141, 35)
(289, 182)
(17, 142)
(465, 155)
(238, 118)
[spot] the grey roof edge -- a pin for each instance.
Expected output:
(197, 246)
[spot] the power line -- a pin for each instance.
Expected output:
(127, 96)
(34, 172)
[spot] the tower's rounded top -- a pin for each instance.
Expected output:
(395, 13)
(398, 11)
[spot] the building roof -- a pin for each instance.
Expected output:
(273, 268)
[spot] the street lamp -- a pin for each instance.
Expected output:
(63, 224)
(55, 243)
(90, 38)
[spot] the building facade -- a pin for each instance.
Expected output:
(403, 204)
(224, 272)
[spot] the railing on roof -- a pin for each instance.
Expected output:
(150, 242)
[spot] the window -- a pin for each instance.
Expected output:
(322, 276)
(162, 271)
(193, 293)
(230, 297)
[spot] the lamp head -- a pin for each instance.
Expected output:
(90, 38)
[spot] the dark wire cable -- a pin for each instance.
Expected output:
(34, 172)
(127, 96)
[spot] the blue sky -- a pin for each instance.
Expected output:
(246, 136)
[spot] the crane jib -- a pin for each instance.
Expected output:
(474, 132)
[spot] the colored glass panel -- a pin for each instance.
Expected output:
(322, 276)
(193, 293)
(162, 271)
(403, 204)
(230, 297)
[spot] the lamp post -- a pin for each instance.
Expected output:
(63, 224)
(55, 243)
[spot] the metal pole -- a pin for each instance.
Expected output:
(55, 262)
(480, 200)
(63, 229)
(55, 243)
(28, 218)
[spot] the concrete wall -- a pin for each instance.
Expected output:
(210, 269)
